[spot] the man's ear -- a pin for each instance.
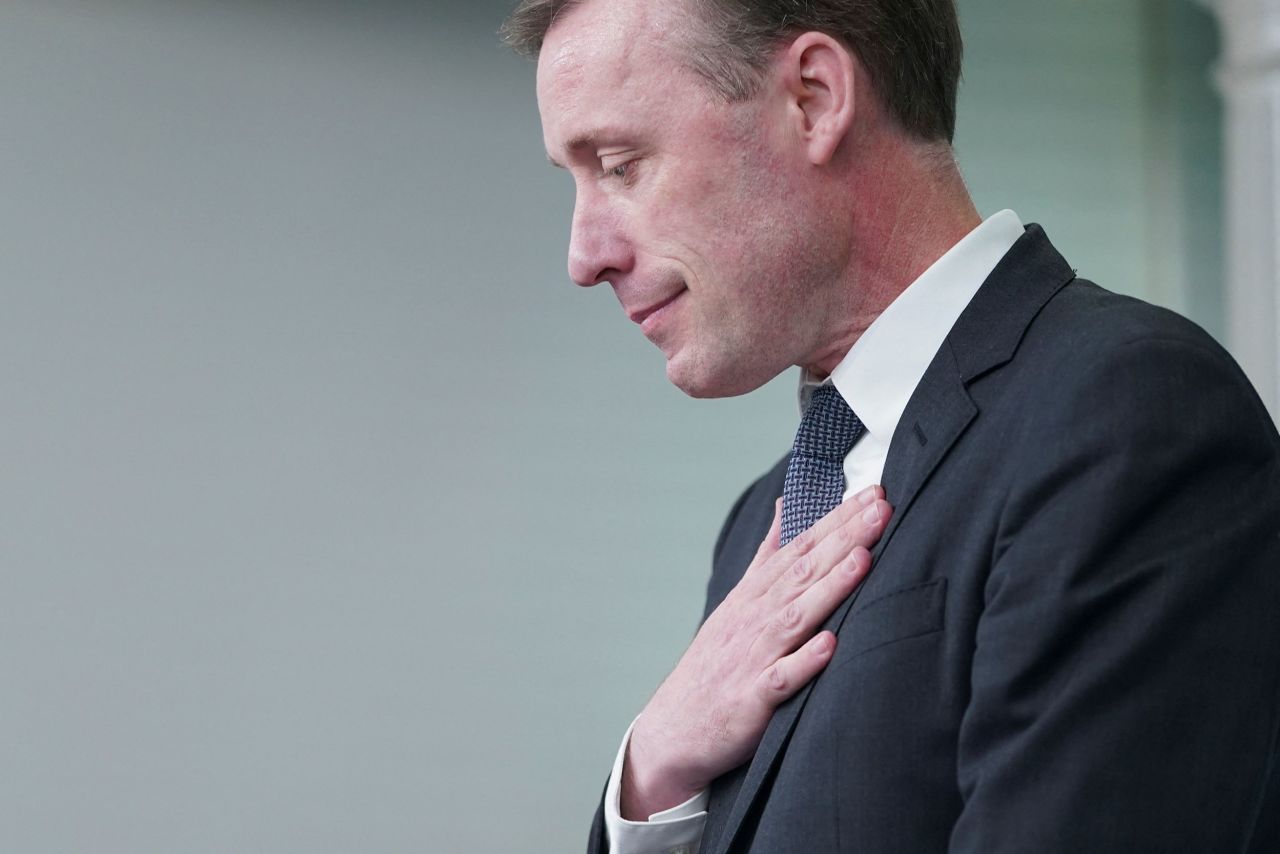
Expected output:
(818, 74)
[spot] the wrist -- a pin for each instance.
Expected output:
(648, 784)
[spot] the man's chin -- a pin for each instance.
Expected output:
(699, 379)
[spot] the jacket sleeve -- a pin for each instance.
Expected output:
(1125, 688)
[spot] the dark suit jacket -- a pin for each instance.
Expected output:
(1070, 638)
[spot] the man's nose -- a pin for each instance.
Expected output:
(599, 249)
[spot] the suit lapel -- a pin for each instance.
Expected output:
(985, 337)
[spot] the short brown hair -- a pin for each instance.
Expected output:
(910, 48)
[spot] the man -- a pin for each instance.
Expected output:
(1054, 627)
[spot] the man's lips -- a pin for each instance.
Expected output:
(638, 315)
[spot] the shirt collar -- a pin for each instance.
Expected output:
(882, 369)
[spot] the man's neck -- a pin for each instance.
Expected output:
(913, 208)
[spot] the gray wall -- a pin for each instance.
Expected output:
(334, 519)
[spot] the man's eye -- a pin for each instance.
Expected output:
(624, 172)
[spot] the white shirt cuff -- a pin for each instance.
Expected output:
(674, 831)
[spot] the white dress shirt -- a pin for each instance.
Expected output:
(876, 378)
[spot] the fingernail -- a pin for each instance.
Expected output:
(872, 514)
(868, 494)
(821, 644)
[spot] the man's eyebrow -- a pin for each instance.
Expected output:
(587, 141)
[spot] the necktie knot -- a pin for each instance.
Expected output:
(829, 427)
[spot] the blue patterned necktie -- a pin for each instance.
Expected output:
(815, 474)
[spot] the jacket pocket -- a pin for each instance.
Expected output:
(908, 612)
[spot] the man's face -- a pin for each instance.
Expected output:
(693, 209)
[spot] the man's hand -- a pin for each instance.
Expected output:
(753, 652)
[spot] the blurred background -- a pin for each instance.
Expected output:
(334, 518)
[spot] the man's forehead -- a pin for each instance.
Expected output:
(593, 62)
(608, 38)
(595, 39)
